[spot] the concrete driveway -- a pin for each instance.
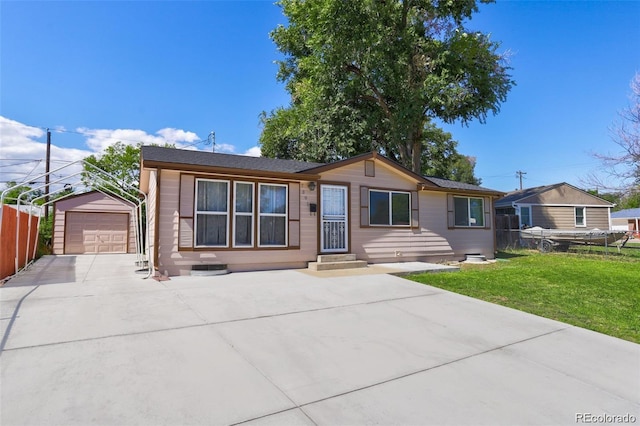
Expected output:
(87, 341)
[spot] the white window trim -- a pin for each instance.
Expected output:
(469, 212)
(252, 214)
(584, 216)
(198, 212)
(285, 215)
(390, 192)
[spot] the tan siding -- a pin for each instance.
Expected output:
(90, 202)
(431, 241)
(176, 262)
(561, 217)
(58, 231)
(597, 218)
(186, 232)
(151, 215)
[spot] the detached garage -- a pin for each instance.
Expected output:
(93, 223)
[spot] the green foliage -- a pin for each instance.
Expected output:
(368, 75)
(11, 197)
(120, 160)
(622, 200)
(45, 237)
(595, 292)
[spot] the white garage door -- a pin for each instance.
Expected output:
(95, 232)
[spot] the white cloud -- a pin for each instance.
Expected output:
(22, 155)
(225, 148)
(99, 139)
(253, 152)
(23, 148)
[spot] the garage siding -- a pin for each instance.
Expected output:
(91, 202)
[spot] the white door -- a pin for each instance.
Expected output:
(334, 221)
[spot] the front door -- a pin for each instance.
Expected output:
(333, 219)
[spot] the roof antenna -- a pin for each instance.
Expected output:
(212, 140)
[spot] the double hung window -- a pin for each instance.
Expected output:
(468, 211)
(272, 221)
(243, 215)
(212, 213)
(580, 215)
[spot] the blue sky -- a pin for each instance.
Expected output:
(155, 71)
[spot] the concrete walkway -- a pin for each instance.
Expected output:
(87, 341)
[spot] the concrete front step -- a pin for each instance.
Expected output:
(342, 257)
(332, 266)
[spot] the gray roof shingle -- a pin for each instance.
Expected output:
(523, 193)
(157, 154)
(452, 184)
(215, 159)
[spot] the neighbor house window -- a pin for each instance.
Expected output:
(390, 208)
(468, 211)
(212, 213)
(581, 216)
(525, 216)
(243, 215)
(272, 220)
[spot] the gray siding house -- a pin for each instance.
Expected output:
(558, 206)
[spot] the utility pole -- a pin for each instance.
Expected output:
(519, 174)
(212, 140)
(46, 176)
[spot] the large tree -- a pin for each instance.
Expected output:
(374, 75)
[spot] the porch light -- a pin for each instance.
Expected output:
(312, 186)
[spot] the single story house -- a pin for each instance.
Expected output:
(558, 206)
(253, 213)
(627, 220)
(93, 222)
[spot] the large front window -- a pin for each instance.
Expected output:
(212, 213)
(272, 222)
(468, 211)
(390, 208)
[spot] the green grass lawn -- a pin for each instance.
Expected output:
(601, 293)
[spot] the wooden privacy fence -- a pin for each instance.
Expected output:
(507, 231)
(8, 240)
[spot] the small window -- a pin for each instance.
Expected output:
(468, 211)
(389, 208)
(581, 217)
(212, 213)
(525, 216)
(272, 221)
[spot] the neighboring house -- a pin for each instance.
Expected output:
(254, 213)
(627, 220)
(558, 206)
(93, 223)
